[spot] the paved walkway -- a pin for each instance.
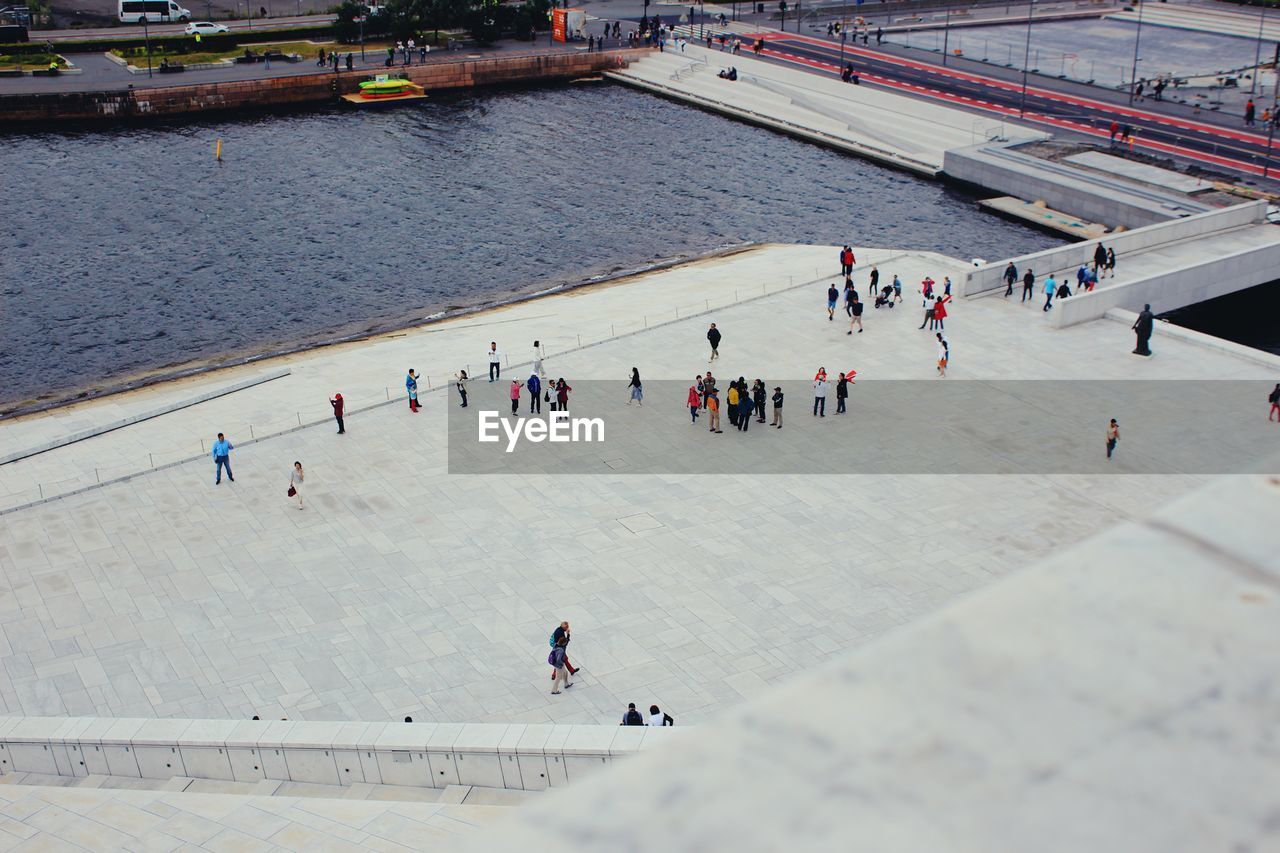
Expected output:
(402, 589)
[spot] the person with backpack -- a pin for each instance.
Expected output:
(560, 637)
(558, 659)
(1274, 400)
(659, 719)
(632, 717)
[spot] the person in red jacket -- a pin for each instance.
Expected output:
(940, 312)
(338, 406)
(694, 401)
(847, 260)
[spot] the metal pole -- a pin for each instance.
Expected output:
(1271, 125)
(842, 37)
(146, 34)
(1137, 39)
(1257, 56)
(1026, 60)
(946, 34)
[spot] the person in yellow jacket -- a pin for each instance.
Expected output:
(733, 403)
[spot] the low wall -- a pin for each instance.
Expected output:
(1215, 277)
(300, 89)
(1096, 198)
(1069, 258)
(424, 755)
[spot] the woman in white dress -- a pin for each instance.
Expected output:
(295, 482)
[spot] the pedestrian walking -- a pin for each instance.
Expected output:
(1143, 327)
(1090, 279)
(848, 296)
(946, 285)
(833, 296)
(534, 384)
(873, 287)
(495, 361)
(1249, 110)
(694, 400)
(855, 313)
(559, 659)
(847, 261)
(658, 719)
(1100, 258)
(879, 35)
(537, 360)
(713, 338)
(338, 406)
(928, 311)
(897, 289)
(562, 636)
(1111, 263)
(222, 459)
(460, 382)
(1274, 400)
(940, 311)
(1028, 284)
(820, 397)
(1082, 275)
(350, 61)
(637, 390)
(1050, 288)
(713, 411)
(842, 393)
(320, 63)
(758, 395)
(411, 386)
(295, 483)
(944, 355)
(632, 717)
(514, 393)
(777, 407)
(1113, 436)
(1063, 290)
(1112, 131)
(1010, 276)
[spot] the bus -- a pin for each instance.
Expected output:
(153, 11)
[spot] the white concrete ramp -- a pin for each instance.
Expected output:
(883, 126)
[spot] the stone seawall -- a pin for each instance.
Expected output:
(302, 89)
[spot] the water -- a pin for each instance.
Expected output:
(1247, 317)
(136, 255)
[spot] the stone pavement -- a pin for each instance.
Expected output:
(402, 589)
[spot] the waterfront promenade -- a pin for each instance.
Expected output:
(403, 589)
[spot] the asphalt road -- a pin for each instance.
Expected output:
(177, 29)
(1214, 142)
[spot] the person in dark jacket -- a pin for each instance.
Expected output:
(338, 407)
(534, 384)
(713, 337)
(632, 717)
(1099, 258)
(777, 408)
(1143, 326)
(842, 394)
(1028, 283)
(1010, 276)
(758, 395)
(746, 405)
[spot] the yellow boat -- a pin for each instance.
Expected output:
(385, 88)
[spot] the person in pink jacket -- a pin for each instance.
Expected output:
(515, 396)
(694, 401)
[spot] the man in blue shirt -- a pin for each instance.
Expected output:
(222, 459)
(535, 393)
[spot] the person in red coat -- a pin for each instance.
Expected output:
(338, 406)
(940, 311)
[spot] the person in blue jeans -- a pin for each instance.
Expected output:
(222, 459)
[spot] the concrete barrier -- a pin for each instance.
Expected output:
(425, 755)
(1068, 258)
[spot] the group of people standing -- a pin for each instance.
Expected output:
(742, 403)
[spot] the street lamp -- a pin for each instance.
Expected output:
(146, 35)
(1137, 39)
(1026, 60)
(946, 33)
(1257, 56)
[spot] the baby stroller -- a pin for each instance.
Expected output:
(885, 296)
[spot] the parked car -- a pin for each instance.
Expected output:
(205, 28)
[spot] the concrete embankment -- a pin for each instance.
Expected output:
(297, 90)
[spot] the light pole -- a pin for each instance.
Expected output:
(1026, 60)
(146, 35)
(1271, 125)
(843, 34)
(946, 34)
(1257, 56)
(1137, 39)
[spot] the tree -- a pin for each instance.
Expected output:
(486, 21)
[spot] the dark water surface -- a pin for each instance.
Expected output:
(130, 253)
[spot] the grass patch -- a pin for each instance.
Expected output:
(30, 61)
(137, 56)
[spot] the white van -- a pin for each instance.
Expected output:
(154, 11)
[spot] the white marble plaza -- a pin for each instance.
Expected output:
(402, 589)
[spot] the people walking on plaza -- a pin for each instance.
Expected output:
(1050, 288)
(944, 355)
(559, 660)
(295, 483)
(713, 338)
(1249, 110)
(637, 390)
(758, 395)
(338, 406)
(1100, 258)
(411, 386)
(820, 397)
(658, 719)
(1112, 131)
(1143, 327)
(1028, 285)
(1082, 275)
(534, 384)
(777, 407)
(897, 289)
(695, 400)
(855, 313)
(1010, 276)
(842, 393)
(222, 459)
(562, 395)
(1111, 263)
(713, 411)
(1090, 279)
(632, 717)
(537, 360)
(562, 633)
(514, 393)
(1113, 436)
(847, 261)
(833, 296)
(1063, 290)
(460, 382)
(873, 284)
(928, 311)
(1274, 400)
(320, 62)
(946, 285)
(849, 293)
(495, 361)
(940, 312)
